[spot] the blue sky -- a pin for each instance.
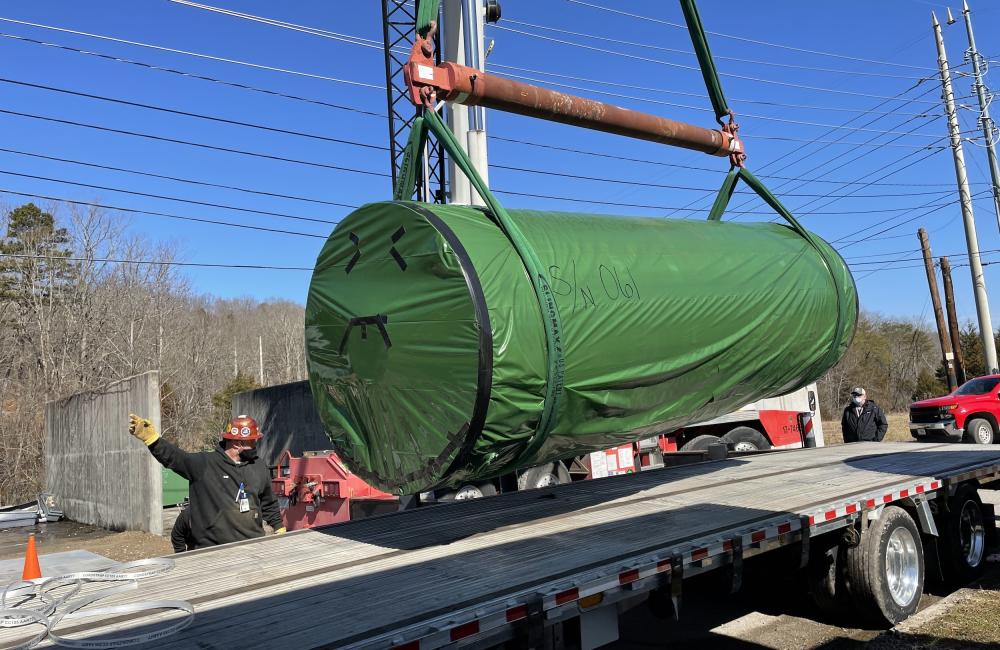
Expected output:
(799, 91)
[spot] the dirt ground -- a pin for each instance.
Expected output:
(71, 536)
(965, 620)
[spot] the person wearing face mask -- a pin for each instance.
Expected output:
(230, 492)
(863, 420)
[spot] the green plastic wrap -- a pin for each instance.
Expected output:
(427, 352)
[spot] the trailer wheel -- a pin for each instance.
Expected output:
(700, 443)
(979, 431)
(826, 579)
(547, 475)
(963, 538)
(885, 572)
(746, 439)
(469, 491)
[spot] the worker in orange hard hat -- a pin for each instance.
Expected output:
(230, 491)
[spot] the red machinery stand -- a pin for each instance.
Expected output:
(316, 489)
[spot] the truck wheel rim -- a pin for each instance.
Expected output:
(984, 434)
(467, 492)
(902, 566)
(745, 446)
(972, 533)
(549, 480)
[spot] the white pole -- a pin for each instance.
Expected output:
(463, 39)
(260, 351)
(965, 198)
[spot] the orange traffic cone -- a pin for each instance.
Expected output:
(31, 568)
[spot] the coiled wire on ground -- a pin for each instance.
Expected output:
(36, 604)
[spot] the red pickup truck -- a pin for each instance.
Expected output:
(970, 413)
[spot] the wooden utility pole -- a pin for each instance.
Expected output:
(946, 354)
(949, 305)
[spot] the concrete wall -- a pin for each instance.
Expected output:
(100, 474)
(286, 417)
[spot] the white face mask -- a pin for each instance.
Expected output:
(858, 401)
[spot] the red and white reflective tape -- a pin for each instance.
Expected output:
(499, 615)
(871, 501)
(494, 616)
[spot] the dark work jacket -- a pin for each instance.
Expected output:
(180, 534)
(214, 480)
(870, 427)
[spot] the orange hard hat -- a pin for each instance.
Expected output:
(242, 427)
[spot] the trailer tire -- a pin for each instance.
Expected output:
(885, 572)
(979, 431)
(700, 443)
(468, 492)
(547, 475)
(826, 579)
(962, 535)
(746, 439)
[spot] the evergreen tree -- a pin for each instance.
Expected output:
(33, 256)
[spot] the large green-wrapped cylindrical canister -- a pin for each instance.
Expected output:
(427, 350)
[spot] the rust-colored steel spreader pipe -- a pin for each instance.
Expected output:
(464, 85)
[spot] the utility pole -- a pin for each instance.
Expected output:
(463, 43)
(984, 114)
(946, 354)
(949, 306)
(971, 240)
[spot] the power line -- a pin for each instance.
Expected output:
(157, 262)
(491, 65)
(750, 40)
(938, 228)
(165, 215)
(597, 37)
(199, 55)
(696, 68)
(177, 178)
(714, 170)
(357, 40)
(804, 156)
(192, 75)
(707, 109)
(622, 181)
(574, 199)
(200, 145)
(919, 259)
(834, 198)
(893, 268)
(164, 197)
(314, 31)
(200, 116)
(885, 230)
(845, 163)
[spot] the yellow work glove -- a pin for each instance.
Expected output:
(280, 531)
(142, 429)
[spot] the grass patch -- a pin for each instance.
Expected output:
(899, 429)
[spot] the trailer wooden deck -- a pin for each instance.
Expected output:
(438, 566)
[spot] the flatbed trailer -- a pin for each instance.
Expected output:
(535, 568)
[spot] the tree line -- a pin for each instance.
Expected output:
(71, 323)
